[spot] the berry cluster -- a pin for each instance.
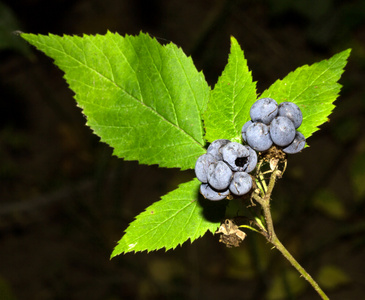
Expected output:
(224, 169)
(274, 124)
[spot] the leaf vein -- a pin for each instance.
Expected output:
(125, 92)
(162, 223)
(164, 83)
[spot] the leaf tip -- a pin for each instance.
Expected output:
(25, 36)
(348, 51)
(233, 40)
(123, 249)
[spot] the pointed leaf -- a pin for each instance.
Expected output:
(230, 101)
(144, 99)
(178, 216)
(313, 88)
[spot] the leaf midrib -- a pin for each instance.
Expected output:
(155, 228)
(329, 67)
(119, 87)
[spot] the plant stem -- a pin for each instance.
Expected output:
(278, 245)
(271, 236)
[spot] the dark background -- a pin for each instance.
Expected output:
(65, 200)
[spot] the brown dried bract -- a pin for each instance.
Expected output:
(275, 153)
(231, 235)
(275, 156)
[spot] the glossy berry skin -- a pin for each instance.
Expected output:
(219, 175)
(264, 110)
(201, 166)
(258, 136)
(244, 129)
(296, 145)
(211, 194)
(214, 148)
(241, 183)
(282, 131)
(292, 112)
(236, 156)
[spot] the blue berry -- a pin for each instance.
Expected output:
(209, 193)
(241, 183)
(214, 148)
(282, 131)
(244, 130)
(292, 112)
(219, 175)
(201, 166)
(236, 156)
(264, 110)
(258, 136)
(252, 160)
(296, 145)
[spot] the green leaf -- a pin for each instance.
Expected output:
(313, 88)
(326, 201)
(286, 285)
(332, 277)
(230, 101)
(178, 216)
(143, 99)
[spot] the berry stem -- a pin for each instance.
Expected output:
(270, 235)
(278, 245)
(261, 179)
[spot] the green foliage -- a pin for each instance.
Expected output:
(287, 285)
(231, 99)
(167, 223)
(313, 88)
(143, 99)
(357, 176)
(8, 25)
(330, 204)
(332, 277)
(6, 291)
(147, 101)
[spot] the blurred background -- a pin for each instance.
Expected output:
(65, 200)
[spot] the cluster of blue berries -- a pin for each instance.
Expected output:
(224, 169)
(273, 124)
